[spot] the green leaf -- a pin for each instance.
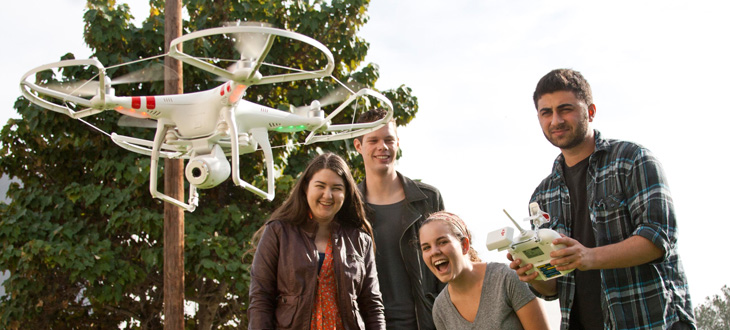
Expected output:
(207, 263)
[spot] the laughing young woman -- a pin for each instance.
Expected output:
(478, 295)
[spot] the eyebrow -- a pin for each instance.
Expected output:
(566, 105)
(437, 239)
(561, 106)
(335, 185)
(389, 136)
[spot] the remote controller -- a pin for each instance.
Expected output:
(531, 247)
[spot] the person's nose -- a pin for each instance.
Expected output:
(556, 120)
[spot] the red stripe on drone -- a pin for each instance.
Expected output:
(150, 102)
(136, 102)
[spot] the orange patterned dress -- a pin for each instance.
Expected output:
(325, 314)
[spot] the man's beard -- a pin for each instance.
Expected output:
(573, 139)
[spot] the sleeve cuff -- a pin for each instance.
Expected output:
(656, 236)
(542, 296)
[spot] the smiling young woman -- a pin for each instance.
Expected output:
(314, 254)
(504, 302)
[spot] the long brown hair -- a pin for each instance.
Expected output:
(295, 208)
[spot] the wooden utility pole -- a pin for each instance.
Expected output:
(174, 227)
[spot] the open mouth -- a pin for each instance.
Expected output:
(441, 265)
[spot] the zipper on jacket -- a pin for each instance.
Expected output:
(418, 271)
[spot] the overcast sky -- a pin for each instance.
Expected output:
(659, 72)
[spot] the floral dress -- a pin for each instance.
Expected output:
(325, 314)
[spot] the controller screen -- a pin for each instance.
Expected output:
(534, 252)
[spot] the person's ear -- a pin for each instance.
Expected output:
(465, 245)
(357, 144)
(591, 112)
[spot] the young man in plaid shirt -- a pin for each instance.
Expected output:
(610, 201)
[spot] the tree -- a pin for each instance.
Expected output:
(714, 314)
(83, 239)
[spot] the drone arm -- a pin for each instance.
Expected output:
(262, 136)
(199, 64)
(351, 130)
(260, 59)
(154, 159)
(279, 78)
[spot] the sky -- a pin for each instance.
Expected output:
(658, 70)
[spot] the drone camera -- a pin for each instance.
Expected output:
(208, 171)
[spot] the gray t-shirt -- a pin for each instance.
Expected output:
(502, 294)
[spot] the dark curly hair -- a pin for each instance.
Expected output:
(564, 80)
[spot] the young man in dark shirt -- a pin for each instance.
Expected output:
(397, 207)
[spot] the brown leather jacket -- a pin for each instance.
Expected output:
(284, 278)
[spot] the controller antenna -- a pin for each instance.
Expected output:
(523, 232)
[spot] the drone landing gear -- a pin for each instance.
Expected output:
(162, 127)
(259, 135)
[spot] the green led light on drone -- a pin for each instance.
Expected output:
(291, 128)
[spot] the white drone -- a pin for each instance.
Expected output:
(205, 127)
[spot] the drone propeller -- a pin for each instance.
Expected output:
(77, 88)
(252, 47)
(339, 94)
(91, 87)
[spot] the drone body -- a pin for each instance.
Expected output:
(208, 127)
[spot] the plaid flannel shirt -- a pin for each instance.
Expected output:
(627, 195)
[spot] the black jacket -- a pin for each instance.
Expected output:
(422, 200)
